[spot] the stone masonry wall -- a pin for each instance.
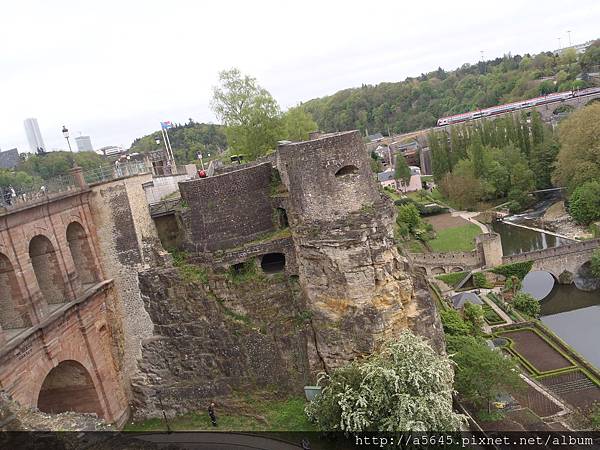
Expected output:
(227, 210)
(125, 232)
(215, 337)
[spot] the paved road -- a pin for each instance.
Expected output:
(216, 441)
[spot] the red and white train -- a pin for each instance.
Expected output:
(515, 106)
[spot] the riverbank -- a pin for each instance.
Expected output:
(557, 219)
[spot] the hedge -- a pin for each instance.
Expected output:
(519, 269)
(452, 279)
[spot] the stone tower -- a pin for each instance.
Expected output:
(348, 266)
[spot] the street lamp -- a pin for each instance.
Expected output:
(65, 133)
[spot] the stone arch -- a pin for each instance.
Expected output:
(345, 171)
(420, 269)
(565, 108)
(584, 279)
(69, 387)
(457, 269)
(47, 270)
(82, 255)
(273, 262)
(594, 100)
(12, 301)
(438, 271)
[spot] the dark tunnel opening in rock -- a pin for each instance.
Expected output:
(273, 262)
(347, 170)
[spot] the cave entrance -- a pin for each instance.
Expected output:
(273, 262)
(69, 387)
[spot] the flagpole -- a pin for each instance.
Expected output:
(170, 149)
(162, 130)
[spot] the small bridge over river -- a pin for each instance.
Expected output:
(564, 262)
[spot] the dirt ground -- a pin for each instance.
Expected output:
(575, 387)
(443, 221)
(539, 353)
(537, 402)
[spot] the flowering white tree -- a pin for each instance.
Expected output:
(407, 386)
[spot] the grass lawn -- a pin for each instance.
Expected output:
(455, 239)
(415, 246)
(259, 415)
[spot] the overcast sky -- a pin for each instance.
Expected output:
(115, 69)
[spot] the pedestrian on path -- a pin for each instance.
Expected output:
(211, 414)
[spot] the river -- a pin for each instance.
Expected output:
(573, 315)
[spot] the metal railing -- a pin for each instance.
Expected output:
(112, 172)
(14, 197)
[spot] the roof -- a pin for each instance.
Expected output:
(9, 159)
(388, 175)
(459, 300)
(375, 137)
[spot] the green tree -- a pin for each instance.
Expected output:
(297, 124)
(474, 317)
(405, 387)
(402, 171)
(440, 161)
(53, 164)
(476, 153)
(250, 114)
(454, 324)
(15, 179)
(579, 156)
(409, 214)
(527, 303)
(481, 373)
(584, 203)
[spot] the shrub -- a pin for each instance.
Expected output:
(452, 279)
(480, 281)
(407, 386)
(474, 317)
(527, 304)
(453, 323)
(482, 373)
(519, 269)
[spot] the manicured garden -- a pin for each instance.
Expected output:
(455, 239)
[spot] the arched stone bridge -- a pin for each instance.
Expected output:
(563, 262)
(550, 110)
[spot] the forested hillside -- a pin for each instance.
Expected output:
(187, 141)
(417, 103)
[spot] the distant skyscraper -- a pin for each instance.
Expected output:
(34, 137)
(84, 144)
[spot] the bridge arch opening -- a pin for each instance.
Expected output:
(273, 262)
(47, 271)
(584, 279)
(12, 302)
(438, 271)
(592, 101)
(563, 109)
(82, 255)
(69, 387)
(457, 269)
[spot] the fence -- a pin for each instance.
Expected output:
(13, 197)
(112, 172)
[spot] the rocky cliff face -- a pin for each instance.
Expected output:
(355, 284)
(210, 338)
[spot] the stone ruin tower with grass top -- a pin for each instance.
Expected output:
(350, 271)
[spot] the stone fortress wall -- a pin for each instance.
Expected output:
(340, 239)
(229, 209)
